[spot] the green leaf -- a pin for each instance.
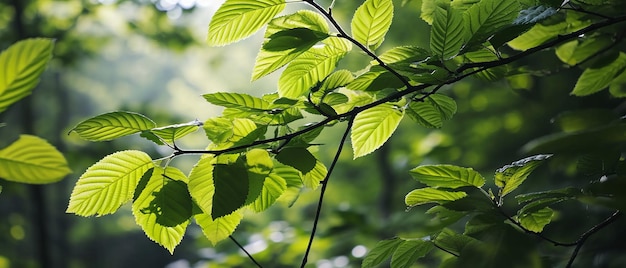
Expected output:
(539, 33)
(431, 195)
(312, 67)
(201, 186)
(259, 164)
(433, 110)
(487, 16)
(171, 133)
(618, 86)
(576, 51)
(313, 178)
(221, 228)
(21, 65)
(380, 252)
(297, 157)
(238, 19)
(373, 127)
(484, 222)
(534, 14)
(336, 80)
(269, 61)
(593, 80)
(453, 242)
(237, 100)
(509, 177)
(371, 22)
(109, 183)
(31, 159)
(577, 120)
(232, 183)
(375, 81)
(409, 251)
(273, 187)
(293, 179)
(296, 38)
(218, 130)
(112, 125)
(537, 220)
(447, 34)
(447, 176)
(409, 54)
(569, 192)
(164, 206)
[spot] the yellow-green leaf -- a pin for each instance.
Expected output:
(313, 178)
(431, 195)
(163, 207)
(593, 80)
(20, 67)
(373, 127)
(31, 159)
(201, 185)
(447, 176)
(371, 22)
(238, 19)
(109, 183)
(221, 228)
(537, 220)
(113, 125)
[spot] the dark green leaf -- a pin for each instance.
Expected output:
(582, 141)
(593, 80)
(409, 251)
(380, 252)
(231, 189)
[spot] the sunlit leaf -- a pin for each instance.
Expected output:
(311, 67)
(20, 67)
(273, 187)
(268, 61)
(237, 100)
(163, 208)
(487, 16)
(433, 110)
(113, 125)
(540, 33)
(403, 53)
(238, 19)
(374, 81)
(409, 251)
(509, 177)
(373, 127)
(337, 79)
(109, 183)
(431, 195)
(171, 133)
(221, 228)
(371, 22)
(447, 176)
(380, 252)
(537, 220)
(593, 80)
(313, 178)
(447, 34)
(31, 159)
(576, 51)
(201, 186)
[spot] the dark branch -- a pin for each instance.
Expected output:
(323, 190)
(245, 251)
(594, 229)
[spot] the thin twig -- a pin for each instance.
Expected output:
(445, 250)
(245, 251)
(323, 190)
(587, 234)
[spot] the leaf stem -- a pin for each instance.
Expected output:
(323, 190)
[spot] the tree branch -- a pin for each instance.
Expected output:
(245, 251)
(587, 234)
(323, 190)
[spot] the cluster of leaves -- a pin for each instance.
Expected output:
(260, 148)
(27, 158)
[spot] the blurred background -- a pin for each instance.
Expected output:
(148, 56)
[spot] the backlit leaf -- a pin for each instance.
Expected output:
(112, 125)
(593, 80)
(20, 67)
(31, 159)
(237, 100)
(268, 61)
(486, 17)
(164, 207)
(447, 33)
(537, 220)
(221, 228)
(313, 178)
(540, 33)
(238, 19)
(380, 252)
(447, 176)
(109, 183)
(232, 183)
(311, 67)
(509, 177)
(297, 157)
(293, 180)
(433, 110)
(273, 187)
(201, 186)
(173, 132)
(431, 195)
(403, 53)
(409, 251)
(373, 127)
(371, 22)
